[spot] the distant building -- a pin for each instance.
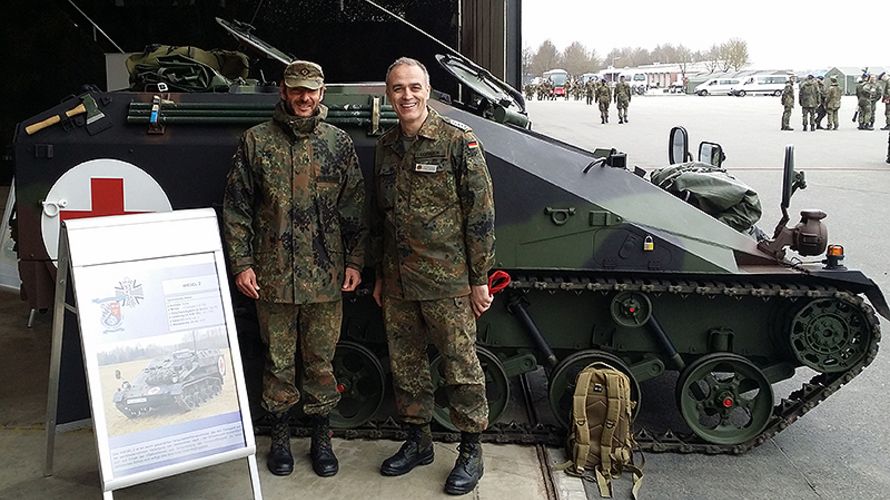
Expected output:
(848, 76)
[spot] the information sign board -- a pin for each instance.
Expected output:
(160, 351)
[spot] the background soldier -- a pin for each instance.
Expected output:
(822, 88)
(604, 98)
(885, 91)
(590, 90)
(788, 104)
(833, 102)
(809, 99)
(433, 249)
(622, 97)
(875, 97)
(294, 221)
(866, 93)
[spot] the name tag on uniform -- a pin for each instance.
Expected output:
(426, 168)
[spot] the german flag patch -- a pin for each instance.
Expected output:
(473, 144)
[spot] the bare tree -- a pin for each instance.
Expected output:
(723, 55)
(576, 59)
(736, 53)
(595, 62)
(527, 61)
(545, 58)
(616, 57)
(712, 58)
(683, 58)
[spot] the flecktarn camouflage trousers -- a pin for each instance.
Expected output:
(450, 326)
(317, 328)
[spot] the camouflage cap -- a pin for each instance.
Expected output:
(303, 74)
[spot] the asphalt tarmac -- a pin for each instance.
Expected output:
(840, 449)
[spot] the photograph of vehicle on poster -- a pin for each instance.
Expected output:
(156, 331)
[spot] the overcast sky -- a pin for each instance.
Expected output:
(780, 33)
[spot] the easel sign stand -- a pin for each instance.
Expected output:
(160, 350)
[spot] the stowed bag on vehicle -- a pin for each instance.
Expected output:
(600, 443)
(186, 69)
(712, 190)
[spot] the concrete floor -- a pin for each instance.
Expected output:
(510, 471)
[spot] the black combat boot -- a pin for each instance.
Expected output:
(804, 127)
(280, 461)
(417, 450)
(324, 462)
(620, 120)
(603, 120)
(468, 468)
(626, 120)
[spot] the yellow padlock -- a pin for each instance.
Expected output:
(648, 244)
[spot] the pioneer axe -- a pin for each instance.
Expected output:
(87, 105)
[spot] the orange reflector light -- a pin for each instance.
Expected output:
(727, 403)
(835, 251)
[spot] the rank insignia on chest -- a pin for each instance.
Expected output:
(426, 168)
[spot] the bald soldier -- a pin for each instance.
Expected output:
(433, 246)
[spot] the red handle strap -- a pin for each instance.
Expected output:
(498, 281)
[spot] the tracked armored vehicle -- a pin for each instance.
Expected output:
(602, 264)
(182, 381)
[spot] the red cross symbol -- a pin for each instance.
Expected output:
(106, 198)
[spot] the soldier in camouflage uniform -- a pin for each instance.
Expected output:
(822, 90)
(529, 91)
(833, 102)
(787, 104)
(590, 90)
(809, 99)
(295, 225)
(622, 98)
(884, 83)
(603, 98)
(867, 95)
(433, 246)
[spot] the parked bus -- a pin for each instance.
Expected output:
(558, 78)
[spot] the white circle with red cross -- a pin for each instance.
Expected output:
(96, 188)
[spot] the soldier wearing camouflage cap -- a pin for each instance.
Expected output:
(433, 246)
(295, 225)
(833, 102)
(809, 98)
(623, 93)
(787, 103)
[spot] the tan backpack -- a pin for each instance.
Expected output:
(600, 441)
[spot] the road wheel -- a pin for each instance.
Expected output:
(703, 93)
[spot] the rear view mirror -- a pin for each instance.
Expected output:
(788, 176)
(792, 180)
(711, 153)
(678, 146)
